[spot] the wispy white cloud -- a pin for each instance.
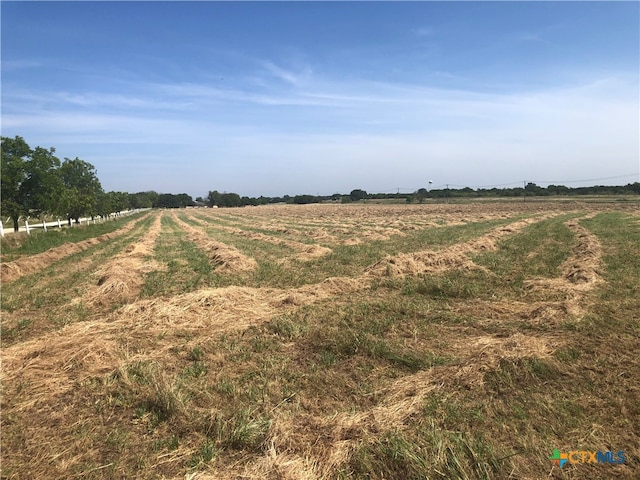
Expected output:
(328, 133)
(289, 76)
(13, 65)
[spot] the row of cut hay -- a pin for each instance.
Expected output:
(214, 310)
(352, 233)
(121, 279)
(304, 446)
(11, 271)
(210, 310)
(300, 445)
(453, 257)
(583, 267)
(224, 258)
(331, 230)
(579, 275)
(353, 224)
(580, 271)
(304, 251)
(50, 366)
(400, 217)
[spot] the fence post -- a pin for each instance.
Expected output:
(44, 225)
(26, 227)
(1, 229)
(59, 225)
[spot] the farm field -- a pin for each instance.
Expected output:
(327, 342)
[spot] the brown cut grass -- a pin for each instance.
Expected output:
(473, 360)
(305, 251)
(454, 257)
(224, 257)
(121, 279)
(25, 266)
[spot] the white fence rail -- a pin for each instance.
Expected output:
(28, 227)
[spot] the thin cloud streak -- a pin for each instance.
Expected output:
(332, 131)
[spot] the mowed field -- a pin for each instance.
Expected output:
(325, 342)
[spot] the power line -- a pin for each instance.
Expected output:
(516, 183)
(588, 179)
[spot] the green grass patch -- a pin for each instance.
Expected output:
(40, 241)
(536, 251)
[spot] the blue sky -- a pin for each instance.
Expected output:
(323, 97)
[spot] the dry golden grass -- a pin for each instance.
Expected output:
(305, 251)
(454, 257)
(24, 266)
(121, 279)
(224, 257)
(378, 375)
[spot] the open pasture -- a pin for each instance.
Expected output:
(327, 342)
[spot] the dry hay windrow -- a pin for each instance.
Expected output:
(497, 311)
(453, 257)
(300, 445)
(582, 268)
(579, 275)
(580, 271)
(351, 224)
(228, 308)
(49, 366)
(224, 257)
(120, 279)
(11, 271)
(305, 446)
(305, 251)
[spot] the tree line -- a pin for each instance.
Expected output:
(35, 183)
(419, 196)
(529, 190)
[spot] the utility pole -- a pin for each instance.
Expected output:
(524, 191)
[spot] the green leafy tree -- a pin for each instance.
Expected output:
(184, 200)
(120, 201)
(105, 204)
(305, 199)
(231, 200)
(43, 184)
(81, 189)
(214, 198)
(30, 185)
(170, 200)
(142, 199)
(358, 194)
(224, 199)
(421, 194)
(111, 202)
(13, 174)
